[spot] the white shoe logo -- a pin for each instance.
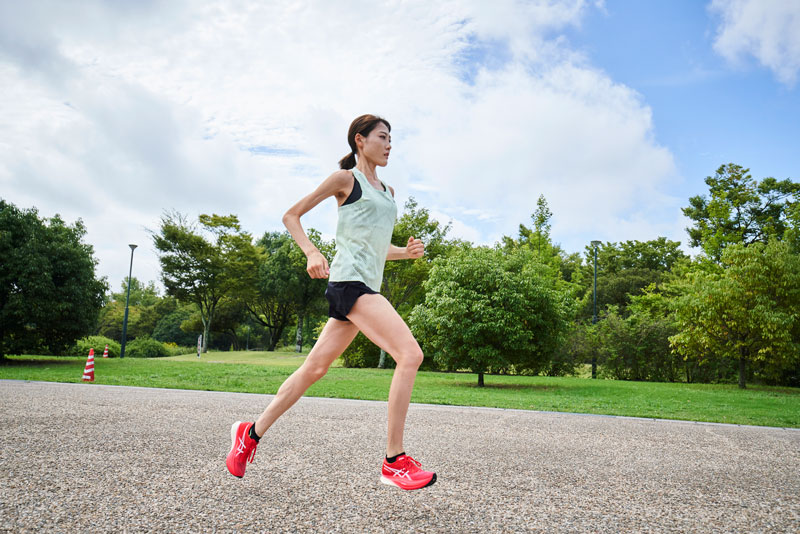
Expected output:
(241, 449)
(400, 473)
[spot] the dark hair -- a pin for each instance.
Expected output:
(361, 125)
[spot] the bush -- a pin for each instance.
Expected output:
(637, 348)
(574, 351)
(168, 329)
(146, 347)
(363, 353)
(176, 350)
(98, 343)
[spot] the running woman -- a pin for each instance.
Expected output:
(367, 214)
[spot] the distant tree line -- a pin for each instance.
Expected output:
(524, 305)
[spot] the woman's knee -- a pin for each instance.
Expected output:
(315, 372)
(412, 357)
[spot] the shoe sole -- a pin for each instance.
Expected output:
(234, 428)
(390, 482)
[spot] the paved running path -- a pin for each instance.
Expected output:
(91, 458)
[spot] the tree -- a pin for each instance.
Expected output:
(489, 311)
(740, 210)
(541, 221)
(625, 269)
(747, 309)
(141, 294)
(168, 329)
(49, 296)
(637, 347)
(146, 309)
(200, 270)
(537, 239)
(279, 287)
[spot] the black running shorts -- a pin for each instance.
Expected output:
(342, 297)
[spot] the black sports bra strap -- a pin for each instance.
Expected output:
(355, 194)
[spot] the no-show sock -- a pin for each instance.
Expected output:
(252, 433)
(394, 458)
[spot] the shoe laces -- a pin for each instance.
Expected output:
(412, 465)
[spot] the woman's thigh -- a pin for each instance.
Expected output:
(335, 337)
(381, 323)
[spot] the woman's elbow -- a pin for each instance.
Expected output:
(288, 217)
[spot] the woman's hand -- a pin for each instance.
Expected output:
(415, 249)
(317, 265)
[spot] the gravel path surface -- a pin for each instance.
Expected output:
(91, 458)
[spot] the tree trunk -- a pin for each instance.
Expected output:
(480, 379)
(741, 372)
(382, 360)
(275, 336)
(299, 337)
(206, 328)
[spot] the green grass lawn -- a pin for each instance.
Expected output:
(263, 372)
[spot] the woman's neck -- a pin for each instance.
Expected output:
(367, 168)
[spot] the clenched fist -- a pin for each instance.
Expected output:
(317, 265)
(415, 249)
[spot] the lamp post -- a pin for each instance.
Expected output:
(595, 244)
(127, 299)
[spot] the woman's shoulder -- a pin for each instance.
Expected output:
(341, 174)
(340, 178)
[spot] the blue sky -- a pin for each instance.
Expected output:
(616, 111)
(707, 111)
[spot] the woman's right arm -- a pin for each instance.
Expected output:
(335, 185)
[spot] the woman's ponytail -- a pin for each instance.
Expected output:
(348, 162)
(361, 125)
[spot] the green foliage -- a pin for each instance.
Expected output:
(563, 267)
(740, 210)
(541, 221)
(109, 321)
(280, 287)
(145, 347)
(491, 312)
(168, 329)
(624, 270)
(98, 343)
(363, 353)
(575, 349)
(141, 294)
(177, 350)
(200, 270)
(145, 311)
(403, 280)
(637, 347)
(49, 296)
(747, 309)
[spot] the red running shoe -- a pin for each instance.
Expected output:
(406, 473)
(243, 448)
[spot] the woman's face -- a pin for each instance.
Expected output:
(376, 146)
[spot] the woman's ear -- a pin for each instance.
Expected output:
(359, 140)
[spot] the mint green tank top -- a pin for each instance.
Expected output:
(363, 235)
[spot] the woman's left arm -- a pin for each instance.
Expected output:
(415, 249)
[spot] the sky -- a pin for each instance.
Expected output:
(117, 112)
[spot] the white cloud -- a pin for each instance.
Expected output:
(768, 30)
(116, 112)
